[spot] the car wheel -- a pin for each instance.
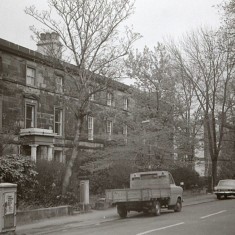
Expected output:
(218, 196)
(178, 205)
(156, 208)
(122, 211)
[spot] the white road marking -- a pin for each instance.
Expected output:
(158, 229)
(203, 217)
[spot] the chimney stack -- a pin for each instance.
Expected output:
(50, 45)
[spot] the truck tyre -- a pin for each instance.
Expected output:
(218, 196)
(145, 211)
(122, 211)
(178, 205)
(156, 208)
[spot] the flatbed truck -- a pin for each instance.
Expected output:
(149, 192)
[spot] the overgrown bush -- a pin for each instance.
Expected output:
(19, 170)
(117, 176)
(99, 181)
(226, 170)
(187, 175)
(48, 191)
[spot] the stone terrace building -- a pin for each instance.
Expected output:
(33, 112)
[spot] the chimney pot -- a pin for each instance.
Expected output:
(48, 36)
(42, 36)
(50, 44)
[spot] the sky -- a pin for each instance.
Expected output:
(153, 19)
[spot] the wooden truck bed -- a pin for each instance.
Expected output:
(131, 195)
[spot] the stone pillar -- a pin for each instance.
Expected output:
(84, 194)
(33, 152)
(50, 152)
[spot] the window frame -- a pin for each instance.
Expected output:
(171, 179)
(109, 99)
(90, 128)
(125, 103)
(59, 86)
(124, 130)
(32, 68)
(91, 94)
(109, 128)
(33, 104)
(60, 122)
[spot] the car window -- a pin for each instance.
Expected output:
(226, 183)
(171, 179)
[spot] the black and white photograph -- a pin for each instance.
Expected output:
(117, 117)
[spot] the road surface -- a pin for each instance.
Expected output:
(212, 218)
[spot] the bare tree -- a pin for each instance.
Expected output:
(207, 62)
(187, 119)
(95, 41)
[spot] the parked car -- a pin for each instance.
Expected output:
(225, 188)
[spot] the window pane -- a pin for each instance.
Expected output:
(58, 121)
(109, 99)
(57, 115)
(59, 84)
(125, 103)
(91, 96)
(28, 123)
(109, 126)
(30, 72)
(90, 128)
(30, 76)
(90, 122)
(57, 128)
(124, 130)
(30, 112)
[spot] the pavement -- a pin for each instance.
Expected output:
(95, 217)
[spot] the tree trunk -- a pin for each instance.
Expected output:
(214, 172)
(74, 155)
(1, 149)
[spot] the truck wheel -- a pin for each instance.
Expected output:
(122, 211)
(156, 208)
(178, 205)
(218, 196)
(145, 211)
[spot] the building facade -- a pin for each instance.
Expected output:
(33, 111)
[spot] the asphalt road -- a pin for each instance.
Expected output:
(212, 218)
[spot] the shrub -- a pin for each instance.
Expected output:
(19, 170)
(226, 170)
(99, 181)
(49, 188)
(187, 175)
(117, 176)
